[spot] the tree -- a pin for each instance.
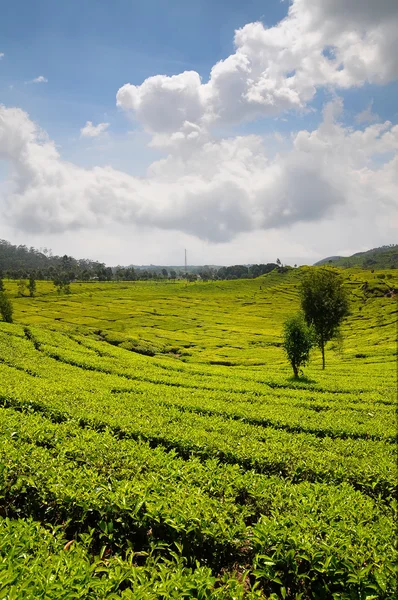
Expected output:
(325, 304)
(21, 288)
(32, 285)
(62, 282)
(5, 308)
(297, 341)
(1, 285)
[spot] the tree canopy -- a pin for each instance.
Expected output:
(297, 341)
(5, 308)
(324, 301)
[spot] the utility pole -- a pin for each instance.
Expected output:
(185, 260)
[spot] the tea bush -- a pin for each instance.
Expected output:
(154, 444)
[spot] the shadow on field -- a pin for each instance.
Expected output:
(302, 379)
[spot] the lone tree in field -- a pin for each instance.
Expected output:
(32, 285)
(297, 341)
(325, 304)
(62, 282)
(5, 308)
(21, 288)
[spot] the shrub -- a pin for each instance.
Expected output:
(5, 308)
(298, 341)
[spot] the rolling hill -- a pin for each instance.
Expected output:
(385, 257)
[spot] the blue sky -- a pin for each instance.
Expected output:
(89, 50)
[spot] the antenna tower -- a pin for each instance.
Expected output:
(185, 260)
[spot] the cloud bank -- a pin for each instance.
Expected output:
(321, 43)
(216, 189)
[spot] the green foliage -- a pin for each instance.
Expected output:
(40, 562)
(200, 470)
(385, 257)
(6, 309)
(21, 288)
(376, 288)
(61, 282)
(1, 285)
(324, 301)
(19, 262)
(297, 342)
(32, 285)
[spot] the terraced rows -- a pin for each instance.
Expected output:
(175, 476)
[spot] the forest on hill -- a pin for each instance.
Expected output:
(17, 262)
(385, 257)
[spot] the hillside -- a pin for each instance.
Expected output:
(19, 261)
(385, 257)
(153, 444)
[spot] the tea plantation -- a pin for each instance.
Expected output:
(154, 444)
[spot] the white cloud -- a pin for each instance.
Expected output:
(334, 181)
(162, 104)
(90, 130)
(320, 43)
(2, 55)
(367, 115)
(216, 191)
(40, 79)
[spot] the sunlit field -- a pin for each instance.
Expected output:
(154, 444)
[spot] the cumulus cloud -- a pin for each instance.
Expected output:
(320, 43)
(216, 191)
(2, 55)
(90, 130)
(40, 79)
(162, 104)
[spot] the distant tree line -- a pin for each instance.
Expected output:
(245, 272)
(205, 273)
(23, 263)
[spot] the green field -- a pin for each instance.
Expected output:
(154, 444)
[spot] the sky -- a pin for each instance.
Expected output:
(240, 131)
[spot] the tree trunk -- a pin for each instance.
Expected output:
(295, 371)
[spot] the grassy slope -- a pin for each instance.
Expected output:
(217, 386)
(377, 258)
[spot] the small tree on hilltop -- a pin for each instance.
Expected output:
(5, 308)
(325, 304)
(297, 341)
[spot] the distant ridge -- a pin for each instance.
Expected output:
(385, 257)
(324, 261)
